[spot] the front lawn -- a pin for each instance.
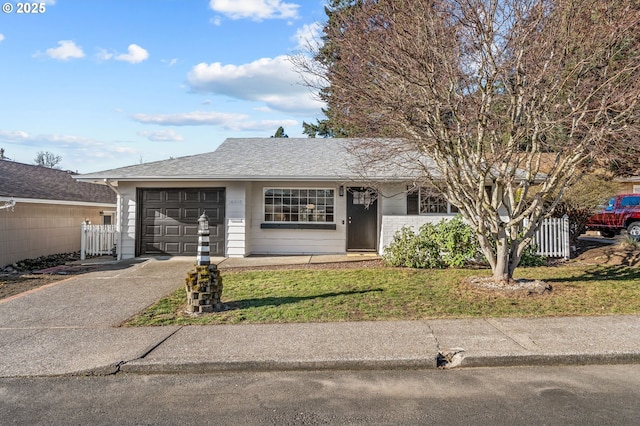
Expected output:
(279, 296)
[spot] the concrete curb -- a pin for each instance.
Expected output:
(212, 367)
(532, 360)
(429, 363)
(144, 367)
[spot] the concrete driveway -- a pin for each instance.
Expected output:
(73, 325)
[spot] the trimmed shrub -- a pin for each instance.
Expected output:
(450, 243)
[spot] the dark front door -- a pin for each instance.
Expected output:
(362, 219)
(168, 220)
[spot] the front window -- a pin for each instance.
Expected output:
(298, 205)
(428, 201)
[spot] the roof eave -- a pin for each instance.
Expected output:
(262, 178)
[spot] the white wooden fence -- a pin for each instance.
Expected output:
(97, 240)
(552, 238)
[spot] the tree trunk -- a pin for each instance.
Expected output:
(501, 270)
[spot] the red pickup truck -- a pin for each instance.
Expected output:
(619, 212)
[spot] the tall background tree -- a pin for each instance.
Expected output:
(489, 90)
(327, 56)
(47, 159)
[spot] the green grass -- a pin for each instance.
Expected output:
(401, 294)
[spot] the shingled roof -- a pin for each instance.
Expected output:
(20, 180)
(273, 159)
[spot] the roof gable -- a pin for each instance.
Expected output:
(29, 181)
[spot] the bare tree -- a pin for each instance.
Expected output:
(47, 159)
(488, 89)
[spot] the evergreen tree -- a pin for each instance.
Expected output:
(280, 133)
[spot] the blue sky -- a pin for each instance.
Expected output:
(110, 83)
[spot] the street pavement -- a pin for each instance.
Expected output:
(72, 328)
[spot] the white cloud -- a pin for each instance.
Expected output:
(308, 36)
(66, 49)
(136, 54)
(1, 37)
(15, 136)
(272, 81)
(195, 118)
(162, 135)
(72, 149)
(257, 10)
(103, 55)
(227, 121)
(22, 137)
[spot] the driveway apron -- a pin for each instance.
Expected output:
(71, 327)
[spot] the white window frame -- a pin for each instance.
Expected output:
(432, 192)
(308, 213)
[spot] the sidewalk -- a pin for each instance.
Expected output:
(71, 328)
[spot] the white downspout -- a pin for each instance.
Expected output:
(118, 220)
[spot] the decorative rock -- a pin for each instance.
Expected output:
(204, 289)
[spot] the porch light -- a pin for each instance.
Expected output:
(203, 224)
(341, 191)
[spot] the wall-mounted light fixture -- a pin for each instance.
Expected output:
(341, 191)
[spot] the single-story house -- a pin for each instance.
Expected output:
(268, 196)
(42, 209)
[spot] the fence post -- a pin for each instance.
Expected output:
(565, 237)
(83, 242)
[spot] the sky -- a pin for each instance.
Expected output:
(111, 83)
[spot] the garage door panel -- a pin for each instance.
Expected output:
(172, 196)
(191, 196)
(151, 195)
(172, 230)
(190, 247)
(152, 248)
(172, 213)
(191, 230)
(169, 220)
(215, 248)
(192, 213)
(153, 229)
(214, 215)
(216, 231)
(212, 196)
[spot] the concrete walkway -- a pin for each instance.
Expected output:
(72, 328)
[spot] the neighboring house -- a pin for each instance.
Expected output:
(42, 209)
(270, 196)
(629, 185)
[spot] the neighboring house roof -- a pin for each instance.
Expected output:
(20, 180)
(272, 159)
